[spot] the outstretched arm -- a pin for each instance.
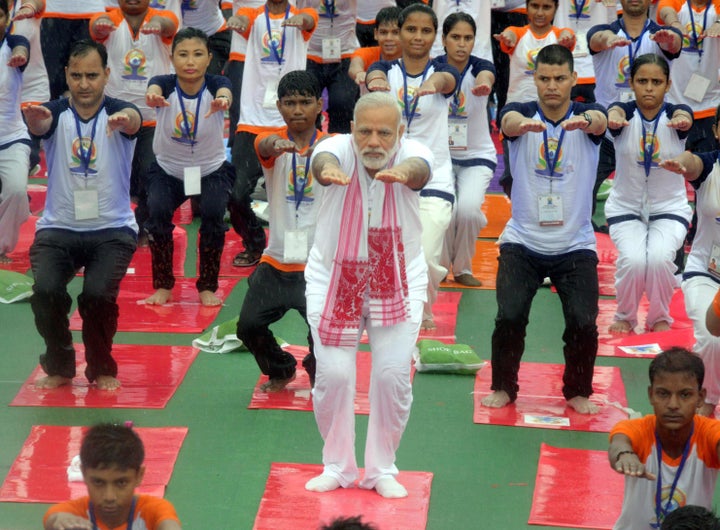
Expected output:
(515, 124)
(686, 164)
(414, 172)
(326, 170)
(37, 118)
(624, 460)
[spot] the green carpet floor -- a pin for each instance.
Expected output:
(483, 475)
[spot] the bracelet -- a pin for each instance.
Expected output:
(586, 116)
(223, 96)
(716, 304)
(628, 452)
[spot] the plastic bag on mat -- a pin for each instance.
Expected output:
(220, 339)
(436, 356)
(14, 286)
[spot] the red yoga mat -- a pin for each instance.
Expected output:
(150, 375)
(484, 266)
(20, 256)
(297, 395)
(39, 473)
(287, 504)
(141, 264)
(233, 245)
(540, 402)
(37, 194)
(184, 314)
(575, 488)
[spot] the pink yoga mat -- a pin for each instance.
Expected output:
(575, 488)
(285, 488)
(150, 375)
(183, 315)
(540, 402)
(39, 473)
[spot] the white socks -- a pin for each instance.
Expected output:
(322, 483)
(390, 488)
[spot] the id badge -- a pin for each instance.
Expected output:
(331, 50)
(497, 4)
(714, 261)
(457, 135)
(581, 45)
(696, 88)
(191, 180)
(626, 95)
(86, 204)
(550, 210)
(295, 249)
(270, 97)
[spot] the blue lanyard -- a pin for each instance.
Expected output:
(692, 25)
(410, 113)
(192, 136)
(455, 103)
(273, 45)
(86, 154)
(299, 184)
(329, 8)
(579, 6)
(661, 512)
(648, 149)
(633, 53)
(131, 515)
(553, 160)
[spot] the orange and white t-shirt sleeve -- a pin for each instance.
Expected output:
(268, 163)
(558, 31)
(641, 433)
(519, 33)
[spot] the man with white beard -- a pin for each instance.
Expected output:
(366, 270)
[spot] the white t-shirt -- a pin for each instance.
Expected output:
(479, 10)
(202, 14)
(11, 81)
(336, 19)
(572, 180)
(707, 234)
(73, 8)
(36, 88)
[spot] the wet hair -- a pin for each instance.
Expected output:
(387, 15)
(83, 47)
(108, 445)
(556, 55)
(187, 34)
(650, 58)
(373, 100)
(454, 18)
(691, 517)
(418, 8)
(557, 2)
(349, 523)
(4, 7)
(677, 360)
(299, 83)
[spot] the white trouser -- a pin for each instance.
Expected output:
(14, 206)
(699, 292)
(390, 396)
(646, 264)
(468, 219)
(435, 215)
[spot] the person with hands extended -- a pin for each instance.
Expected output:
(647, 210)
(87, 221)
(387, 35)
(14, 138)
(366, 271)
(278, 283)
(669, 458)
(422, 87)
(471, 148)
(554, 146)
(275, 36)
(190, 160)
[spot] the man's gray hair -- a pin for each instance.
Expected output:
(374, 100)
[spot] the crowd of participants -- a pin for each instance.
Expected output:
(139, 91)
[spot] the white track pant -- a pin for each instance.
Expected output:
(14, 207)
(468, 219)
(390, 396)
(435, 215)
(645, 264)
(699, 292)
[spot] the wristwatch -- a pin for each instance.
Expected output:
(587, 117)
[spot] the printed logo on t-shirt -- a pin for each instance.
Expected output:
(184, 127)
(158, 4)
(457, 106)
(542, 168)
(623, 74)
(79, 156)
(412, 98)
(584, 11)
(300, 180)
(651, 143)
(530, 61)
(270, 41)
(189, 5)
(689, 43)
(134, 65)
(669, 505)
(322, 9)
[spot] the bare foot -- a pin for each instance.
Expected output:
(208, 298)
(661, 325)
(428, 324)
(496, 400)
(159, 297)
(390, 488)
(5, 259)
(276, 385)
(620, 326)
(707, 410)
(107, 382)
(322, 483)
(53, 381)
(583, 405)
